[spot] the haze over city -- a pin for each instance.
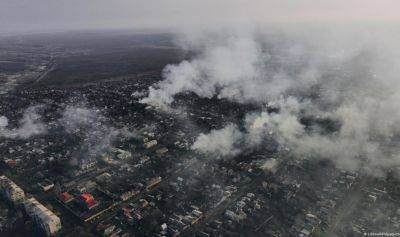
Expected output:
(199, 118)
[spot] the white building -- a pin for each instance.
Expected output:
(46, 185)
(150, 144)
(86, 164)
(47, 220)
(11, 191)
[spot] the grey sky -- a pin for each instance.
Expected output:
(45, 15)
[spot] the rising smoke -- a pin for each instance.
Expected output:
(219, 143)
(98, 134)
(311, 81)
(232, 69)
(29, 125)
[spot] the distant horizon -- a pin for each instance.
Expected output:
(172, 30)
(49, 16)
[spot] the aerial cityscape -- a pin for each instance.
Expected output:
(213, 119)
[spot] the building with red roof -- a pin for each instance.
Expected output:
(87, 200)
(66, 197)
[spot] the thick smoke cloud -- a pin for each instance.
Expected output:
(335, 95)
(232, 69)
(29, 125)
(219, 143)
(247, 67)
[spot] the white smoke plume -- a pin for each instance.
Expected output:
(233, 70)
(283, 125)
(270, 165)
(29, 125)
(350, 78)
(219, 143)
(248, 67)
(361, 143)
